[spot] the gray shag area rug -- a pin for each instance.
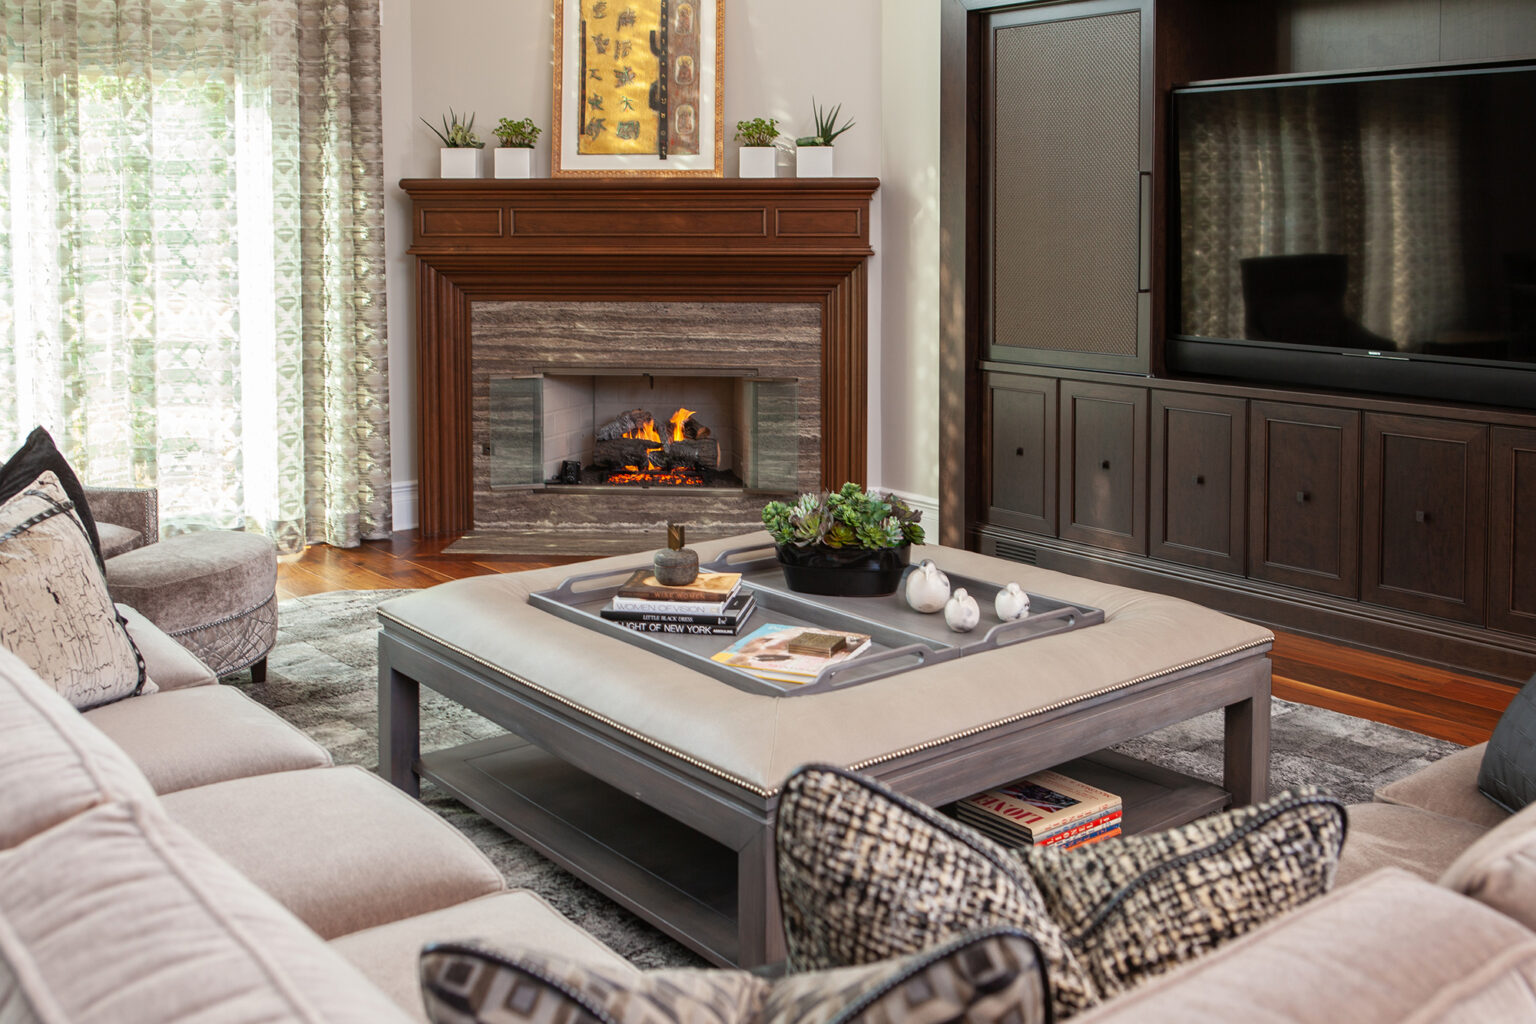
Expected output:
(323, 675)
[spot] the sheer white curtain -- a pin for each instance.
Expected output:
(191, 255)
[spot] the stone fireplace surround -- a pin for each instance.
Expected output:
(792, 247)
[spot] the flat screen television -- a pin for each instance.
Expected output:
(1371, 232)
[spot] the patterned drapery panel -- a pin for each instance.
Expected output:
(191, 255)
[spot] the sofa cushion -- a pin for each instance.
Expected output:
(1138, 906)
(168, 665)
(388, 954)
(991, 975)
(54, 610)
(366, 853)
(1449, 787)
(193, 737)
(1507, 775)
(117, 916)
(1394, 836)
(117, 540)
(1503, 989)
(36, 456)
(54, 763)
(866, 874)
(1500, 868)
(1369, 953)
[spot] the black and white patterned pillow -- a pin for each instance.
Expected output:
(865, 873)
(55, 612)
(992, 975)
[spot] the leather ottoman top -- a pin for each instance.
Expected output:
(754, 740)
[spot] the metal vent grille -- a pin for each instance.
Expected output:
(1016, 552)
(1065, 184)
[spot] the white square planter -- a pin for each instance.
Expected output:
(463, 162)
(813, 161)
(759, 162)
(514, 162)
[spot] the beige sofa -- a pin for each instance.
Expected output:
(188, 856)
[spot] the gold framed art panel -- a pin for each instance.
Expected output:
(639, 88)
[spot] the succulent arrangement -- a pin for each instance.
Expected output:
(456, 134)
(827, 128)
(760, 131)
(849, 517)
(522, 134)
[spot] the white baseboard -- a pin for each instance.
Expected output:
(403, 495)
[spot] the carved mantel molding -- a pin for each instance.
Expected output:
(613, 239)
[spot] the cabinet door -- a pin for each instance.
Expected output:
(1199, 478)
(1512, 553)
(1304, 503)
(1103, 465)
(1425, 509)
(1067, 205)
(1021, 433)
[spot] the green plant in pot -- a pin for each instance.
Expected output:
(813, 153)
(850, 541)
(460, 153)
(514, 158)
(759, 156)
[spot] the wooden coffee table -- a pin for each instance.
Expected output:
(658, 785)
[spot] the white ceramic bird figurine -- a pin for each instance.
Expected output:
(927, 587)
(1011, 603)
(961, 612)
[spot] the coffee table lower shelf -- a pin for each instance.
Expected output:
(680, 880)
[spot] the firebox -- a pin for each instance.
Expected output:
(710, 429)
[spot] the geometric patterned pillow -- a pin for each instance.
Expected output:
(1136, 907)
(992, 975)
(864, 871)
(866, 874)
(55, 613)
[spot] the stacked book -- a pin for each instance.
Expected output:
(792, 654)
(714, 603)
(1043, 809)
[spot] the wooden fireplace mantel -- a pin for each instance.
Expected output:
(610, 239)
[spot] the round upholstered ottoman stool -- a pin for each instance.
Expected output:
(215, 592)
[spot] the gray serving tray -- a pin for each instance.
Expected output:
(900, 639)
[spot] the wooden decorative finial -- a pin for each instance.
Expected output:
(675, 536)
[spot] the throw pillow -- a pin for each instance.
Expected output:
(866, 874)
(987, 976)
(1135, 907)
(39, 455)
(1508, 773)
(55, 613)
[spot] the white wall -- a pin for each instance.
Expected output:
(493, 58)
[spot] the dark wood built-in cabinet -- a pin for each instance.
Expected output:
(1103, 467)
(1425, 513)
(1402, 525)
(1304, 515)
(1199, 480)
(1021, 417)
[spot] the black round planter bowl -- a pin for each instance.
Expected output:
(844, 572)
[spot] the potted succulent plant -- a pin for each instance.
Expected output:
(514, 157)
(459, 156)
(813, 153)
(850, 542)
(759, 156)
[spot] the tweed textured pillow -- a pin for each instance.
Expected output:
(55, 613)
(1138, 906)
(865, 874)
(992, 975)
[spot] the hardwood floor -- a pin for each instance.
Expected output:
(1433, 701)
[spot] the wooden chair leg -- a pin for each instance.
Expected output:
(259, 671)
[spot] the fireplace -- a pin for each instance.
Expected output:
(548, 308)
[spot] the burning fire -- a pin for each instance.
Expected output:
(636, 475)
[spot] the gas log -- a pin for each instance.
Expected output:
(618, 452)
(701, 454)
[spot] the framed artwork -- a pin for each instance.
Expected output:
(638, 87)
